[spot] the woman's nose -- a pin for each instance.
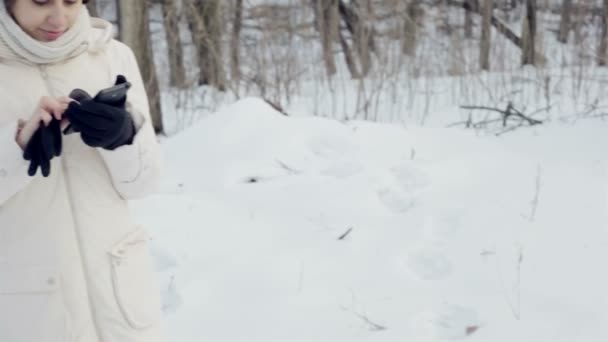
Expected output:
(57, 18)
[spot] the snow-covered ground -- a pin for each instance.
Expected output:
(270, 227)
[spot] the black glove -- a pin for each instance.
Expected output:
(102, 122)
(44, 145)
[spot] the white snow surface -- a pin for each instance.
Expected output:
(268, 227)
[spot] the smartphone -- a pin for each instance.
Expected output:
(112, 95)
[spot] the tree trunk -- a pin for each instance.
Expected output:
(564, 25)
(348, 57)
(92, 7)
(500, 28)
(204, 17)
(326, 13)
(235, 59)
(486, 35)
(529, 34)
(363, 39)
(135, 32)
(602, 57)
(577, 25)
(410, 28)
(468, 21)
(174, 44)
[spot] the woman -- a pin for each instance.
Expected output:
(73, 266)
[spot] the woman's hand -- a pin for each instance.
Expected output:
(48, 108)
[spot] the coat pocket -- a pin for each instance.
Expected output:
(31, 305)
(133, 280)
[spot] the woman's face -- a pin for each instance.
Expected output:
(45, 20)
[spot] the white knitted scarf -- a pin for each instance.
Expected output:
(15, 43)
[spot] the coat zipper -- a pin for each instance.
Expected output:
(45, 78)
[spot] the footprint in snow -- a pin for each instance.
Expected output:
(429, 263)
(396, 201)
(410, 178)
(343, 170)
(407, 183)
(444, 222)
(454, 322)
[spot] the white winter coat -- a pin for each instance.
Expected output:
(73, 264)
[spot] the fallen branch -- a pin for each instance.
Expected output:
(507, 113)
(510, 129)
(276, 106)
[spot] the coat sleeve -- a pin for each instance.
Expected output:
(13, 168)
(135, 169)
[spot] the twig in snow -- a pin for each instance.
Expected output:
(519, 261)
(286, 167)
(486, 253)
(536, 193)
(471, 330)
(343, 236)
(372, 326)
(515, 307)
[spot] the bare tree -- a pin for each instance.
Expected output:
(468, 19)
(529, 34)
(326, 16)
(564, 25)
(235, 64)
(486, 35)
(205, 21)
(174, 44)
(602, 56)
(135, 32)
(349, 58)
(410, 27)
(361, 32)
(500, 27)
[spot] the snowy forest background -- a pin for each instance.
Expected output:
(380, 60)
(404, 170)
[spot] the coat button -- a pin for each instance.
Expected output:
(51, 281)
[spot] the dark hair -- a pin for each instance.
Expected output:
(9, 3)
